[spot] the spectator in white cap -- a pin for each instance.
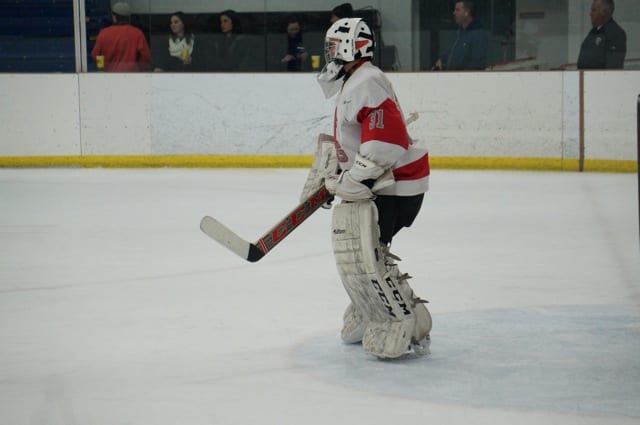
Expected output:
(121, 9)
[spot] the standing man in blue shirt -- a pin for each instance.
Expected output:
(469, 51)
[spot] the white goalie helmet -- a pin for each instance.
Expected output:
(348, 39)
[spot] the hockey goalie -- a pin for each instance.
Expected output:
(381, 176)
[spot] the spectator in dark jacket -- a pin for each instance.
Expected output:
(231, 50)
(605, 47)
(296, 55)
(469, 51)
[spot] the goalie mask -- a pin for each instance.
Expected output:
(348, 39)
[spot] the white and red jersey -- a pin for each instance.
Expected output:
(369, 121)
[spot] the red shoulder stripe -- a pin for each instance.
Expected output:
(383, 123)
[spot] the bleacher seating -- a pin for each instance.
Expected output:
(38, 35)
(35, 54)
(35, 8)
(40, 26)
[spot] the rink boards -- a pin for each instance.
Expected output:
(498, 120)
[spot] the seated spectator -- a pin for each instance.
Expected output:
(180, 54)
(231, 49)
(122, 46)
(296, 53)
(605, 47)
(469, 51)
(345, 10)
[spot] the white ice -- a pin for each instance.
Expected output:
(116, 309)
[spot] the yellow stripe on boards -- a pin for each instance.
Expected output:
(532, 164)
(304, 161)
(150, 161)
(500, 163)
(610, 166)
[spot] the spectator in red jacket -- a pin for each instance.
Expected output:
(122, 46)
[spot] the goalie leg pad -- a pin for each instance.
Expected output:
(423, 317)
(354, 225)
(355, 323)
(378, 293)
(388, 340)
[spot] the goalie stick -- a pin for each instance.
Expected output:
(255, 251)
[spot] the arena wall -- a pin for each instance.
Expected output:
(510, 120)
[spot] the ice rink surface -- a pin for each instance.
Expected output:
(116, 309)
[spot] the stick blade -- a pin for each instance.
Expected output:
(228, 238)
